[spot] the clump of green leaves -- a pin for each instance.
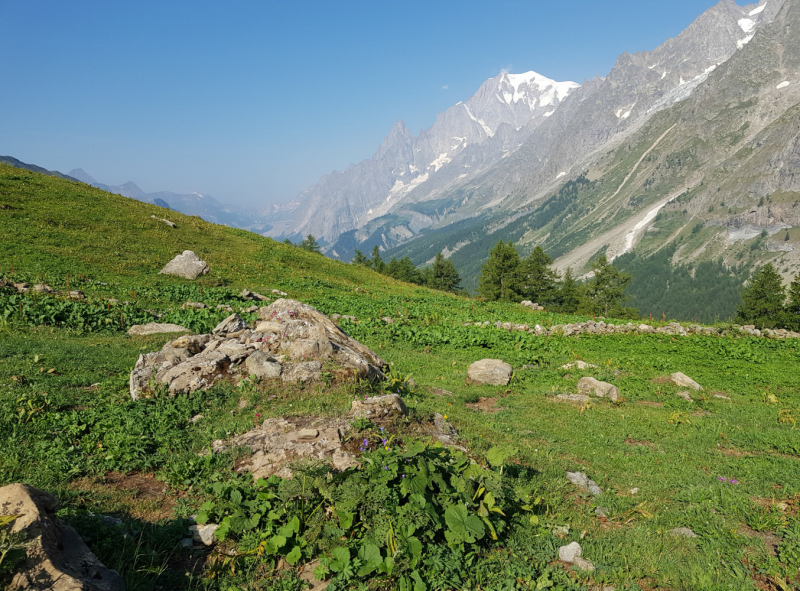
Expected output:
(405, 512)
(789, 548)
(12, 545)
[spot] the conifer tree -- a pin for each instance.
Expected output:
(569, 295)
(376, 262)
(763, 299)
(360, 259)
(310, 244)
(444, 274)
(538, 279)
(500, 275)
(606, 290)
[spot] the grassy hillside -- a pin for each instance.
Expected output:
(726, 465)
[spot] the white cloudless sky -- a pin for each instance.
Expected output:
(252, 102)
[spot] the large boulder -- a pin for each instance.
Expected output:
(490, 371)
(291, 344)
(56, 559)
(187, 265)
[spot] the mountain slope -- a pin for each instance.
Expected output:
(468, 135)
(588, 120)
(708, 175)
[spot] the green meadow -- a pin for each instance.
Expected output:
(726, 465)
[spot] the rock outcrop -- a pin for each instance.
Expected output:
(155, 328)
(187, 265)
(600, 389)
(291, 342)
(56, 558)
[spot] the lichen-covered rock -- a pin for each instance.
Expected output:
(378, 407)
(57, 559)
(600, 389)
(187, 265)
(490, 371)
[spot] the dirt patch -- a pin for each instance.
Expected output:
(633, 442)
(139, 495)
(771, 541)
(488, 405)
(649, 403)
(661, 381)
(734, 453)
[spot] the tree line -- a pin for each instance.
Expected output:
(507, 277)
(442, 274)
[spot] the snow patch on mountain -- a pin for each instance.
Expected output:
(758, 10)
(783, 84)
(747, 24)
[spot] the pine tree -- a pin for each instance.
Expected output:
(606, 290)
(569, 295)
(444, 274)
(500, 275)
(793, 307)
(376, 262)
(360, 259)
(310, 244)
(763, 299)
(538, 279)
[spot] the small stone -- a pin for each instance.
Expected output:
(187, 265)
(307, 434)
(684, 532)
(634, 490)
(243, 404)
(570, 552)
(575, 398)
(722, 396)
(583, 564)
(579, 365)
(684, 381)
(187, 543)
(155, 328)
(194, 306)
(204, 533)
(42, 288)
(196, 418)
(601, 512)
(685, 395)
(600, 389)
(582, 481)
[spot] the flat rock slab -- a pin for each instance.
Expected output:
(57, 559)
(278, 442)
(155, 328)
(187, 265)
(683, 381)
(573, 398)
(683, 532)
(494, 372)
(600, 389)
(578, 365)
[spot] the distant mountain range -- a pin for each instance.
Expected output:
(699, 134)
(204, 206)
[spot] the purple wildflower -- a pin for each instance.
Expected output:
(403, 476)
(381, 429)
(733, 481)
(722, 478)
(383, 442)
(386, 467)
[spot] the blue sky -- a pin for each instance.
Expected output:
(251, 102)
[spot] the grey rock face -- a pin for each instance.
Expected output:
(232, 323)
(204, 534)
(307, 371)
(490, 371)
(187, 265)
